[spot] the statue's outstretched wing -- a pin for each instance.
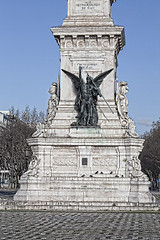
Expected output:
(99, 79)
(76, 80)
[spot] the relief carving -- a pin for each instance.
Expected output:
(53, 102)
(122, 108)
(68, 44)
(93, 44)
(80, 44)
(64, 161)
(33, 168)
(105, 44)
(40, 130)
(134, 167)
(104, 161)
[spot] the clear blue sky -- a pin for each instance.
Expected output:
(29, 55)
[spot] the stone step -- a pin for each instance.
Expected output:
(78, 206)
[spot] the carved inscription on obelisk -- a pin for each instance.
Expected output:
(89, 7)
(92, 5)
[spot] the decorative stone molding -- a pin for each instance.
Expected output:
(64, 161)
(131, 129)
(40, 129)
(53, 103)
(122, 102)
(103, 39)
(122, 108)
(105, 161)
(134, 167)
(33, 168)
(57, 40)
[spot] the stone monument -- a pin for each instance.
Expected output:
(85, 155)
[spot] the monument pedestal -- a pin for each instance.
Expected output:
(85, 171)
(87, 167)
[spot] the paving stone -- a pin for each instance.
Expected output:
(78, 226)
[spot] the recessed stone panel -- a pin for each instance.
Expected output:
(88, 6)
(64, 156)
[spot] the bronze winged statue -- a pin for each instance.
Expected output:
(87, 95)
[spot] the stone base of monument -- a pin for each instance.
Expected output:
(80, 206)
(97, 193)
(85, 189)
(82, 172)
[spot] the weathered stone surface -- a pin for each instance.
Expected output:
(87, 168)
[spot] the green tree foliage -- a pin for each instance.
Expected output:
(150, 156)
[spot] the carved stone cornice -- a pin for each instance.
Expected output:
(75, 141)
(114, 35)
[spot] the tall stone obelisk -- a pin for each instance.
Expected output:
(85, 167)
(88, 39)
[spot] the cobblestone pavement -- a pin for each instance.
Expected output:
(78, 225)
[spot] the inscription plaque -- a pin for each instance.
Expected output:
(89, 7)
(84, 161)
(92, 5)
(90, 66)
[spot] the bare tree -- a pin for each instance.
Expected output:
(150, 156)
(26, 115)
(13, 149)
(13, 142)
